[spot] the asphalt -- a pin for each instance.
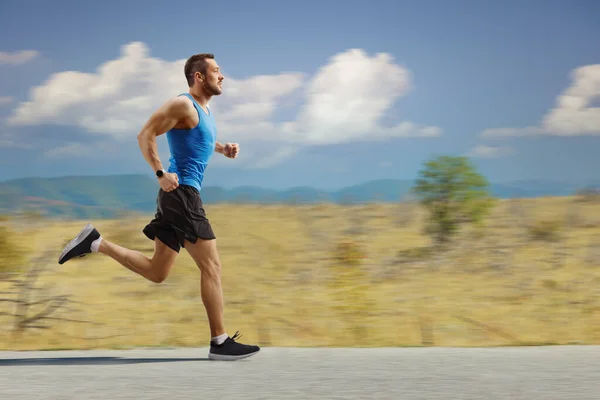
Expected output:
(527, 373)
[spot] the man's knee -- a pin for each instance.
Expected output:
(210, 267)
(159, 277)
(204, 253)
(160, 269)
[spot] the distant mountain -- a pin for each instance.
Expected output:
(108, 196)
(384, 190)
(533, 188)
(80, 195)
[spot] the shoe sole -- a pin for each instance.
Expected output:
(78, 239)
(223, 357)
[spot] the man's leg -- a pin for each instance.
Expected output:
(205, 255)
(154, 269)
(222, 347)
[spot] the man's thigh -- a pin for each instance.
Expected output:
(204, 253)
(164, 257)
(163, 253)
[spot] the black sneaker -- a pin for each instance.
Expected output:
(81, 245)
(230, 350)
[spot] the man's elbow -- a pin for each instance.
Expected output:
(142, 137)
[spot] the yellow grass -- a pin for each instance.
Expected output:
(284, 285)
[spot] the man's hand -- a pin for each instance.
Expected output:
(231, 150)
(168, 181)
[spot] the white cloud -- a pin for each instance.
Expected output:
(345, 101)
(485, 151)
(115, 100)
(18, 57)
(573, 113)
(347, 98)
(246, 109)
(119, 97)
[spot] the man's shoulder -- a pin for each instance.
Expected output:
(182, 100)
(180, 105)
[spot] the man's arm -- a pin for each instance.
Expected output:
(219, 147)
(161, 121)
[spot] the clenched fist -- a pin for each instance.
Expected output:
(169, 181)
(231, 150)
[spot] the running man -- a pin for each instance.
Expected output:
(180, 220)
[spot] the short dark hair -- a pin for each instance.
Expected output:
(196, 63)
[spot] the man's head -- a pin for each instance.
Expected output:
(201, 70)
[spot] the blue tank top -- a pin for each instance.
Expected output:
(192, 148)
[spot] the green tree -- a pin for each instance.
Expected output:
(454, 193)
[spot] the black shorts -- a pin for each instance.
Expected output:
(179, 216)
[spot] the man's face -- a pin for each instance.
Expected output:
(213, 79)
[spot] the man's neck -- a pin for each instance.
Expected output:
(201, 97)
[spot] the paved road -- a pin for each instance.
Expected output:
(532, 373)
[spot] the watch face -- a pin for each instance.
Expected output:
(159, 173)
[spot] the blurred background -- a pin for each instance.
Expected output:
(411, 173)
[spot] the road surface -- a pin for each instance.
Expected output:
(528, 373)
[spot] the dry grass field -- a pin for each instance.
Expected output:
(324, 275)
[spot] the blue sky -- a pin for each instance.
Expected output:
(466, 70)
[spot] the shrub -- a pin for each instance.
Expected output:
(454, 194)
(545, 230)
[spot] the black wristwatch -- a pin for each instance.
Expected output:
(160, 172)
